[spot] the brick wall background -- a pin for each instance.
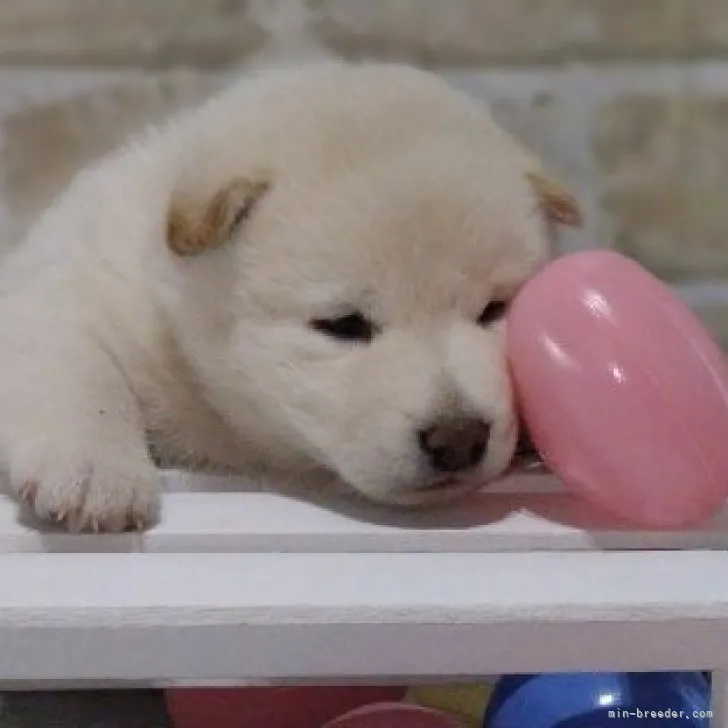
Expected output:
(626, 99)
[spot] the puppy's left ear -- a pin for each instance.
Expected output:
(193, 228)
(556, 202)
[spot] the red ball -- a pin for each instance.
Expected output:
(289, 707)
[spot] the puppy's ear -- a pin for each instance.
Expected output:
(192, 229)
(557, 203)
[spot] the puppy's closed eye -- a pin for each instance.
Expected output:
(354, 327)
(494, 311)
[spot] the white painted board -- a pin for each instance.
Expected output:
(207, 514)
(202, 618)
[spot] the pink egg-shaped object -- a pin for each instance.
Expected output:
(393, 715)
(269, 707)
(624, 392)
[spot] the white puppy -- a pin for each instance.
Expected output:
(305, 276)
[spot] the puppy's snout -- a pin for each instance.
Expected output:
(456, 444)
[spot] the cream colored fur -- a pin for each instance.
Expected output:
(377, 188)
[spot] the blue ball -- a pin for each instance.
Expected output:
(600, 700)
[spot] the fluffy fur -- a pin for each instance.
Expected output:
(170, 293)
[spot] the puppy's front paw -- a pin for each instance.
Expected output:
(106, 490)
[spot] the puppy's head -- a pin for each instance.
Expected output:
(345, 288)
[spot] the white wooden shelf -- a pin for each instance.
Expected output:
(210, 617)
(238, 586)
(213, 514)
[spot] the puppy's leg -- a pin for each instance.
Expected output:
(71, 433)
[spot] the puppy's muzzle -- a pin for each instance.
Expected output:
(455, 445)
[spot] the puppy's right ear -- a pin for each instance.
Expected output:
(193, 228)
(555, 201)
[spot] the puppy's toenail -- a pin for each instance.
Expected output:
(28, 491)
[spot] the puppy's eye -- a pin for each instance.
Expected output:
(352, 327)
(493, 312)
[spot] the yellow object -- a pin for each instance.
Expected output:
(465, 703)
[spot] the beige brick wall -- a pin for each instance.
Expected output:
(626, 99)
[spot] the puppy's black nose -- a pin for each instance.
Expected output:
(455, 444)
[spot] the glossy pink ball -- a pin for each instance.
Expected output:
(624, 392)
(393, 715)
